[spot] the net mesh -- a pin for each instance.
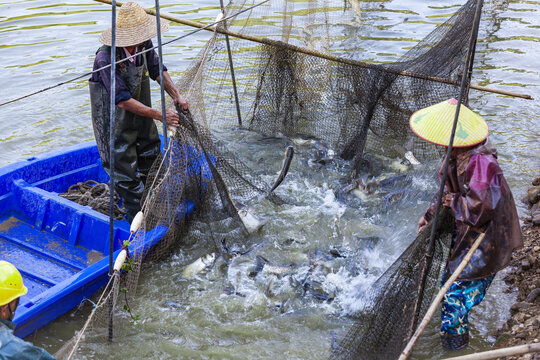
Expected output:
(396, 298)
(199, 186)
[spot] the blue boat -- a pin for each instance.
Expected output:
(60, 247)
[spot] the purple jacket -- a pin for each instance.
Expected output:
(103, 58)
(482, 202)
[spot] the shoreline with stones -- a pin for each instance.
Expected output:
(523, 276)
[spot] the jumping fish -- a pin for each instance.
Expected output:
(289, 153)
(263, 265)
(413, 160)
(229, 253)
(199, 265)
(361, 188)
(355, 4)
(407, 152)
(251, 222)
(314, 288)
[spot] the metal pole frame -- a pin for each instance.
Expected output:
(163, 110)
(111, 160)
(462, 92)
(224, 22)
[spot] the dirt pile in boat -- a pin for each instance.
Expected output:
(523, 327)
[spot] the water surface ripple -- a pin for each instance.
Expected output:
(46, 42)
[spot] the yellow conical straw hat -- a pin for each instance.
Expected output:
(434, 124)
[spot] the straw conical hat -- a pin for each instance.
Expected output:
(133, 26)
(434, 124)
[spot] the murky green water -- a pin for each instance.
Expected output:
(45, 42)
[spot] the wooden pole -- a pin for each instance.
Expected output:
(463, 92)
(433, 307)
(494, 354)
(281, 44)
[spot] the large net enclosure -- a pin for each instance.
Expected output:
(304, 92)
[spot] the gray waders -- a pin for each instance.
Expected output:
(136, 139)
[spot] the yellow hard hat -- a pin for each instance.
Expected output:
(435, 122)
(11, 283)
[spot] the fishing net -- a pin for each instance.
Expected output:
(293, 80)
(399, 298)
(352, 106)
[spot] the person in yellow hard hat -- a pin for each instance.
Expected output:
(481, 202)
(11, 289)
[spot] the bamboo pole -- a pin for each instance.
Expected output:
(494, 354)
(433, 307)
(281, 44)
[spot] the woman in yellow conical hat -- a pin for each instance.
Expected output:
(480, 199)
(434, 124)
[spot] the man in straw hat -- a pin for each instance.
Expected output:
(11, 289)
(481, 202)
(137, 142)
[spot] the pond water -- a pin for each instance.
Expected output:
(43, 43)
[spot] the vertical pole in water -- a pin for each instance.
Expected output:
(163, 110)
(111, 160)
(232, 68)
(462, 92)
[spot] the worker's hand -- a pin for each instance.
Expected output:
(171, 117)
(181, 102)
(422, 223)
(447, 199)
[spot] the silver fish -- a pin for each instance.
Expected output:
(289, 153)
(199, 265)
(251, 222)
(263, 265)
(413, 160)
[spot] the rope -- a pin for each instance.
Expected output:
(87, 323)
(132, 56)
(281, 44)
(95, 195)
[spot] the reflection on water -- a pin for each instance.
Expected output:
(267, 316)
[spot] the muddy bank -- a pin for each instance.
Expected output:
(523, 276)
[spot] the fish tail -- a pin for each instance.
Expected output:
(259, 265)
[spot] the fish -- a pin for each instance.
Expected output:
(407, 152)
(399, 166)
(355, 4)
(199, 265)
(365, 186)
(233, 291)
(263, 265)
(361, 188)
(250, 221)
(174, 304)
(314, 289)
(319, 255)
(230, 252)
(320, 296)
(289, 153)
(302, 141)
(412, 159)
(394, 196)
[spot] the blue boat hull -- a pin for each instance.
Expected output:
(60, 247)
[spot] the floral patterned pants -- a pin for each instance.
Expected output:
(457, 303)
